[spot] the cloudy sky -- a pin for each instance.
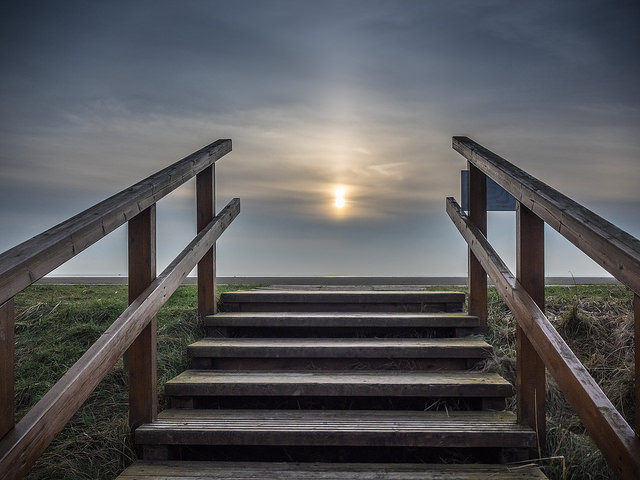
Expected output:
(359, 95)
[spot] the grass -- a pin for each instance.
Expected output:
(597, 323)
(55, 325)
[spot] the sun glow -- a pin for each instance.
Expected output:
(339, 197)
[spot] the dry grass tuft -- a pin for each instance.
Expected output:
(597, 323)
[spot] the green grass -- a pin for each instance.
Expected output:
(55, 325)
(597, 323)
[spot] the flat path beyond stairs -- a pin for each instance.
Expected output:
(337, 384)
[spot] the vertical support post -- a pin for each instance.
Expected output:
(141, 356)
(636, 319)
(205, 211)
(530, 370)
(478, 216)
(7, 375)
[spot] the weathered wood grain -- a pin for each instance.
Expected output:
(466, 347)
(343, 383)
(141, 356)
(337, 427)
(33, 259)
(7, 380)
(612, 248)
(344, 319)
(530, 370)
(337, 363)
(478, 305)
(205, 211)
(341, 301)
(21, 447)
(613, 435)
(325, 471)
(341, 296)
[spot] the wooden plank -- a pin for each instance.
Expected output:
(340, 319)
(611, 433)
(466, 347)
(336, 427)
(315, 363)
(609, 246)
(349, 383)
(325, 471)
(31, 260)
(341, 301)
(478, 303)
(342, 307)
(21, 447)
(205, 211)
(141, 355)
(338, 296)
(7, 375)
(530, 370)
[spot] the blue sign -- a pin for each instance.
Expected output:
(498, 199)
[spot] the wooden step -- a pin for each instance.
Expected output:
(467, 347)
(324, 471)
(336, 324)
(330, 353)
(344, 383)
(354, 428)
(341, 301)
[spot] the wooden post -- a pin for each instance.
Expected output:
(530, 370)
(7, 380)
(141, 356)
(636, 318)
(206, 208)
(478, 216)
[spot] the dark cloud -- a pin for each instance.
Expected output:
(364, 95)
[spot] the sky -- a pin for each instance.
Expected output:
(362, 96)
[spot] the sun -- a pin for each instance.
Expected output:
(340, 202)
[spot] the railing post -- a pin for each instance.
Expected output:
(478, 216)
(636, 319)
(530, 370)
(205, 211)
(141, 356)
(7, 379)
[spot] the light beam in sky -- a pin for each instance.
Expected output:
(339, 197)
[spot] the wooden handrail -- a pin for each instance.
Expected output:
(612, 248)
(31, 260)
(24, 443)
(611, 433)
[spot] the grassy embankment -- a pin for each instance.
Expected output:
(597, 323)
(56, 324)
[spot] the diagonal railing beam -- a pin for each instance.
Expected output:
(612, 434)
(612, 248)
(22, 446)
(31, 260)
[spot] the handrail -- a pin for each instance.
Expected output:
(134, 332)
(612, 248)
(610, 431)
(539, 345)
(35, 431)
(26, 263)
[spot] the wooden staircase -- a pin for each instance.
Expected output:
(315, 384)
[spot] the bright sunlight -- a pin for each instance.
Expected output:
(339, 197)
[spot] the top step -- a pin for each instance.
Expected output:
(341, 301)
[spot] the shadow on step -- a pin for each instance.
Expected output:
(346, 454)
(343, 403)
